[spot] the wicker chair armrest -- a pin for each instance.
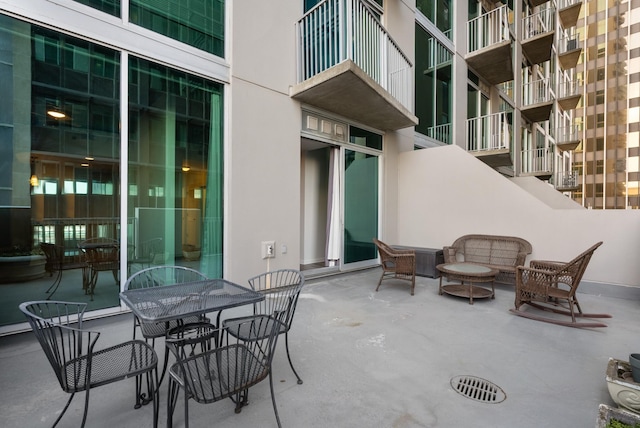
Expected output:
(402, 253)
(449, 254)
(533, 280)
(546, 264)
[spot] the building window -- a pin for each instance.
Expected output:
(112, 7)
(433, 98)
(61, 182)
(198, 23)
(440, 12)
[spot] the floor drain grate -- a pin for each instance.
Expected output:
(478, 389)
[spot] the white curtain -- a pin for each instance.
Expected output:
(334, 231)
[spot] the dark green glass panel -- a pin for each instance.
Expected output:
(361, 206)
(199, 23)
(112, 7)
(365, 138)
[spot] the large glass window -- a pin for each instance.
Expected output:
(433, 87)
(199, 23)
(175, 169)
(61, 170)
(440, 12)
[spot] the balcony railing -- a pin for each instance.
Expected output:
(488, 29)
(538, 23)
(438, 55)
(338, 30)
(537, 161)
(490, 132)
(568, 134)
(536, 92)
(566, 180)
(569, 88)
(440, 133)
(569, 42)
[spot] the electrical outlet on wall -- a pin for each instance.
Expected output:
(268, 249)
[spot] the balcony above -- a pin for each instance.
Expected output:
(537, 49)
(348, 91)
(566, 181)
(568, 11)
(349, 65)
(494, 63)
(535, 3)
(537, 163)
(568, 138)
(537, 100)
(569, 50)
(495, 158)
(538, 35)
(569, 94)
(489, 46)
(489, 139)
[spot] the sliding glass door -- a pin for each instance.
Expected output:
(360, 206)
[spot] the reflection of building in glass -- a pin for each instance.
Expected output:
(609, 158)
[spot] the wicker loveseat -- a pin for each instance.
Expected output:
(503, 253)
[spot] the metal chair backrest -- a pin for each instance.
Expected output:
(163, 275)
(62, 343)
(281, 289)
(231, 367)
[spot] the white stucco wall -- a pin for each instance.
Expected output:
(263, 140)
(445, 192)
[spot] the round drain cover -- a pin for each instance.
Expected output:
(478, 389)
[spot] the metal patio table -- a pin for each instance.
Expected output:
(177, 301)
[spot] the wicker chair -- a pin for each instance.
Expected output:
(225, 371)
(156, 276)
(78, 367)
(398, 264)
(281, 289)
(544, 284)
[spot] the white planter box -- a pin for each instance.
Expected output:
(623, 390)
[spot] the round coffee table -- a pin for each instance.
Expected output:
(468, 273)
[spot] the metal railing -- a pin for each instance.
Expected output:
(338, 30)
(568, 134)
(490, 132)
(537, 160)
(538, 23)
(538, 91)
(437, 54)
(440, 133)
(566, 180)
(488, 29)
(569, 88)
(570, 41)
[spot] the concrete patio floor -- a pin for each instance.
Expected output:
(371, 359)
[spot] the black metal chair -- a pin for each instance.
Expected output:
(78, 366)
(281, 289)
(225, 371)
(157, 276)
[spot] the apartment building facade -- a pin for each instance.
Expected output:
(608, 160)
(237, 137)
(240, 137)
